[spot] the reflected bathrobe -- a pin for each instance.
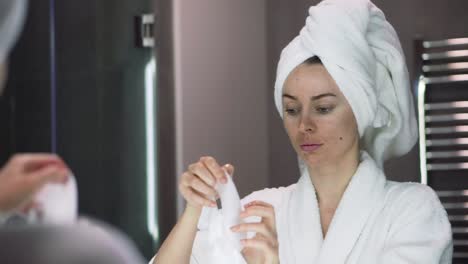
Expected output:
(377, 222)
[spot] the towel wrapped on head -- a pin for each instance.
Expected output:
(363, 54)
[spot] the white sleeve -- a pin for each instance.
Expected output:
(420, 232)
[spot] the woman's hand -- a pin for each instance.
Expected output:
(197, 184)
(197, 187)
(263, 247)
(24, 174)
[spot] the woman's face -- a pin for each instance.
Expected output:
(318, 119)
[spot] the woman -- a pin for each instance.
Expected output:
(342, 90)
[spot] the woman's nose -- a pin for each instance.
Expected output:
(307, 124)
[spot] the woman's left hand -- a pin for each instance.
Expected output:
(263, 247)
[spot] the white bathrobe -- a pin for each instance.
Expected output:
(377, 222)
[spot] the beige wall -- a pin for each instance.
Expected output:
(220, 85)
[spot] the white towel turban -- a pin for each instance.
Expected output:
(362, 52)
(12, 14)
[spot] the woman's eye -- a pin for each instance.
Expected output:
(324, 110)
(291, 111)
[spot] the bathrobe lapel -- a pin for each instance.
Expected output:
(364, 194)
(361, 197)
(305, 232)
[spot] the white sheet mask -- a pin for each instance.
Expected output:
(58, 204)
(220, 244)
(230, 210)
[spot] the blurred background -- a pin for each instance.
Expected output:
(130, 93)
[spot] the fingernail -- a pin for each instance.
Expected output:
(234, 228)
(243, 242)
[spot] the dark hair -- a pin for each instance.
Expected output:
(313, 60)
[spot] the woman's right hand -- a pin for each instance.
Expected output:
(24, 174)
(197, 184)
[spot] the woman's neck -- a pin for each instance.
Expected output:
(330, 181)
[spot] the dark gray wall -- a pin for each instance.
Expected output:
(430, 19)
(101, 112)
(25, 112)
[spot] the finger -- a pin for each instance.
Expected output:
(193, 197)
(259, 228)
(262, 209)
(199, 170)
(186, 178)
(34, 161)
(212, 165)
(258, 202)
(229, 168)
(202, 187)
(266, 213)
(46, 175)
(258, 210)
(268, 247)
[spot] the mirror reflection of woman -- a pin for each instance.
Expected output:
(24, 173)
(342, 90)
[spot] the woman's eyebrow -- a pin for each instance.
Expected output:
(322, 95)
(289, 96)
(313, 98)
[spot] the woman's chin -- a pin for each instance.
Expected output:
(312, 160)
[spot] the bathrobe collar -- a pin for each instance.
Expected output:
(362, 196)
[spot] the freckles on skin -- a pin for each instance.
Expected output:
(341, 138)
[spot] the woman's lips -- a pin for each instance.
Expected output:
(310, 147)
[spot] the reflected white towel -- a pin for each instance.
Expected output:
(58, 204)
